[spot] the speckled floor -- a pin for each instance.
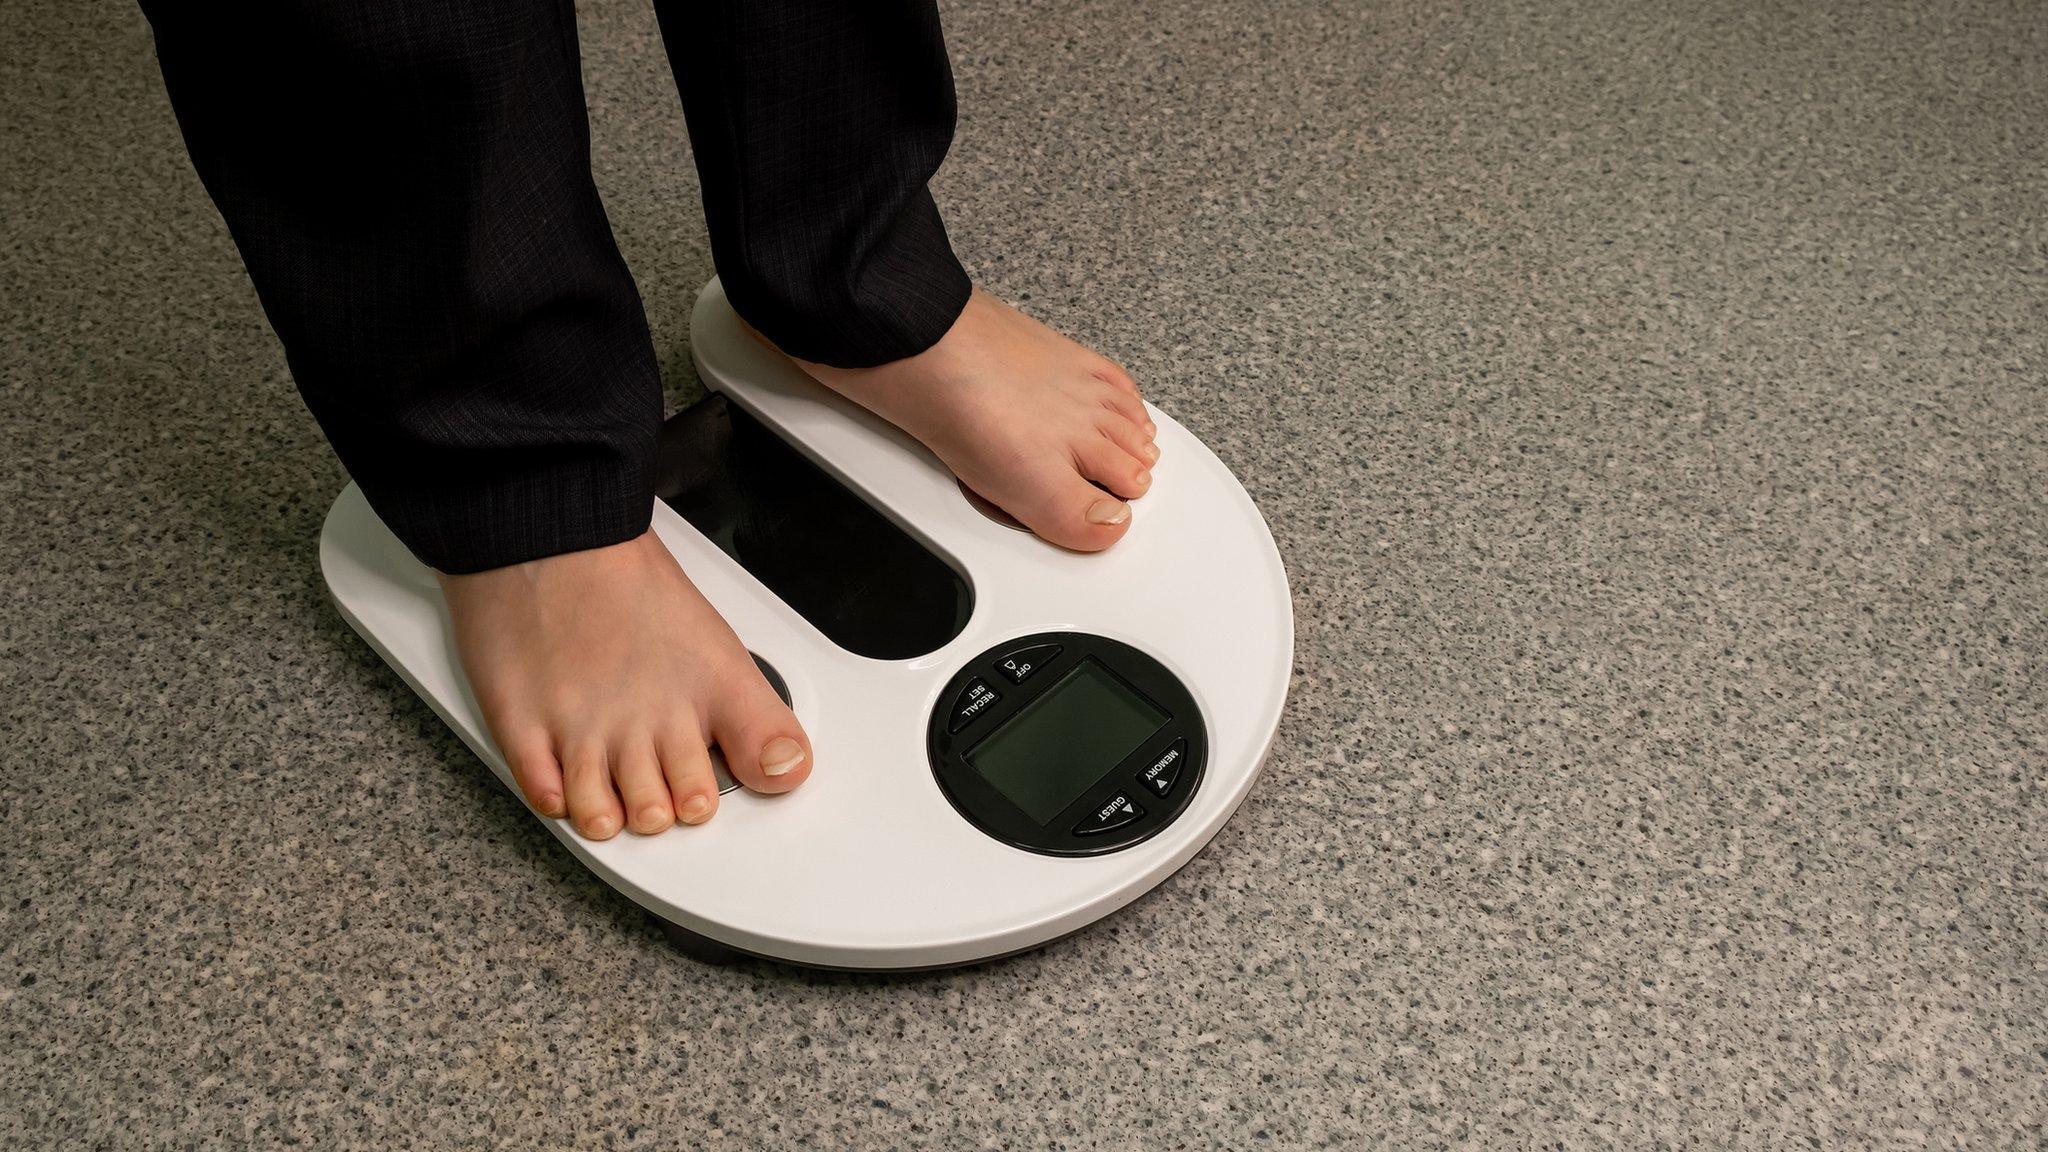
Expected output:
(1648, 401)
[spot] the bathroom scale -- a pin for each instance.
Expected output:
(1011, 740)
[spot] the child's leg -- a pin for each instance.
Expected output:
(816, 127)
(409, 185)
(411, 191)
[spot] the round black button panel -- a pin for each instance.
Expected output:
(1128, 804)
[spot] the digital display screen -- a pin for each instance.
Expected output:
(1047, 755)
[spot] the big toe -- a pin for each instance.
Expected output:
(1074, 513)
(763, 744)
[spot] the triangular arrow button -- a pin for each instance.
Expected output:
(1116, 812)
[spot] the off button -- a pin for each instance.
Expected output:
(1020, 665)
(1162, 774)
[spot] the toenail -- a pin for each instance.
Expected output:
(1144, 479)
(1151, 451)
(1108, 512)
(599, 827)
(695, 809)
(653, 817)
(781, 755)
(549, 806)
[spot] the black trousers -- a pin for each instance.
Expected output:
(409, 184)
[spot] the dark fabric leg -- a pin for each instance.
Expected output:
(409, 184)
(816, 125)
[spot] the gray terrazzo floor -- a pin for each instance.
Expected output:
(1647, 400)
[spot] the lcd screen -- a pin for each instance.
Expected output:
(1047, 755)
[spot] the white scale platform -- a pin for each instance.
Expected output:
(868, 865)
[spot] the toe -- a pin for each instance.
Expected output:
(587, 781)
(1128, 406)
(1110, 466)
(1110, 372)
(1131, 438)
(531, 756)
(686, 765)
(1076, 514)
(636, 770)
(763, 744)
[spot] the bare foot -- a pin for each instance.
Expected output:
(604, 677)
(1050, 432)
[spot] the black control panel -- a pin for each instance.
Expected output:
(1067, 743)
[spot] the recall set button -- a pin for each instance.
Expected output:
(972, 703)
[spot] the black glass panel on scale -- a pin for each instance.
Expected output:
(865, 583)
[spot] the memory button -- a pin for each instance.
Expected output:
(1161, 775)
